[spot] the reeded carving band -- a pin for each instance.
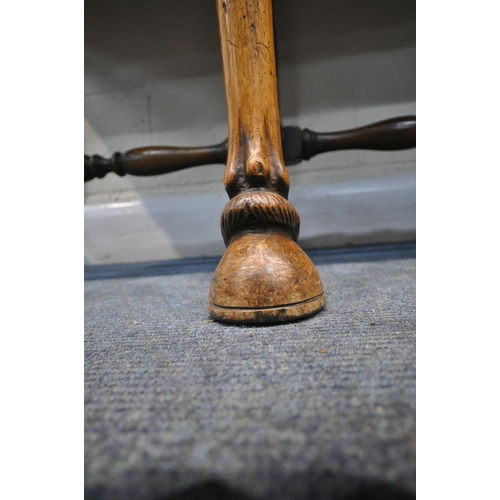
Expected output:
(256, 207)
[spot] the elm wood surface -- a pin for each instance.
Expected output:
(264, 276)
(297, 144)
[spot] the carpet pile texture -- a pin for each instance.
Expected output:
(178, 406)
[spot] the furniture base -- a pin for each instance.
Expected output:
(264, 277)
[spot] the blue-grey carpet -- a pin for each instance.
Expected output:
(180, 407)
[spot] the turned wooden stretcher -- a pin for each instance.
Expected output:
(264, 276)
(297, 144)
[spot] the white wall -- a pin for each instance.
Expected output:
(153, 76)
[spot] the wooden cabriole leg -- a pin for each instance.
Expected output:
(264, 276)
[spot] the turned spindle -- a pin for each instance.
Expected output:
(154, 160)
(297, 144)
(263, 276)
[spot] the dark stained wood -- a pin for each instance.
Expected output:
(154, 160)
(387, 135)
(264, 276)
(297, 144)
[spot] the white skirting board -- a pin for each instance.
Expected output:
(381, 210)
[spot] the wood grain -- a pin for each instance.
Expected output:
(393, 134)
(264, 276)
(255, 158)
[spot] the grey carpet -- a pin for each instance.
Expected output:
(178, 406)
